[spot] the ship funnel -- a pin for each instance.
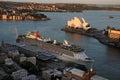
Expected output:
(54, 42)
(66, 43)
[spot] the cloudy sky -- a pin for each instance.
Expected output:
(71, 1)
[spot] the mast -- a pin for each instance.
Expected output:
(16, 31)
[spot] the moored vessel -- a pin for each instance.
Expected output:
(64, 51)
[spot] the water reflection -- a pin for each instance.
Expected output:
(78, 39)
(113, 53)
(107, 59)
(73, 37)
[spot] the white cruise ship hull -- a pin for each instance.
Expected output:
(59, 52)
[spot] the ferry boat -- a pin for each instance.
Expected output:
(64, 51)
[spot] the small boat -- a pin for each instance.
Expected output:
(111, 17)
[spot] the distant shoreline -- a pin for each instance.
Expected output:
(56, 7)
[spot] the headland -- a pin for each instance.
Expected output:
(108, 36)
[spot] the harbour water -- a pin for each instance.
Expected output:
(107, 59)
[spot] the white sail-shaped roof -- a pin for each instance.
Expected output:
(84, 24)
(69, 23)
(74, 22)
(77, 23)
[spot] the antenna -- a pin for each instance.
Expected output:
(16, 31)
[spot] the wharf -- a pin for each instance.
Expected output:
(34, 51)
(56, 64)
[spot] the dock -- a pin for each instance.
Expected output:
(35, 51)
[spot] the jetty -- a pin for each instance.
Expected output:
(53, 67)
(34, 51)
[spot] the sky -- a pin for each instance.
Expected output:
(71, 1)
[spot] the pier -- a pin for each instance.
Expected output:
(35, 51)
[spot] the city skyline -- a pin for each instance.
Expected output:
(70, 1)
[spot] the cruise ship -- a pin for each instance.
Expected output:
(64, 51)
